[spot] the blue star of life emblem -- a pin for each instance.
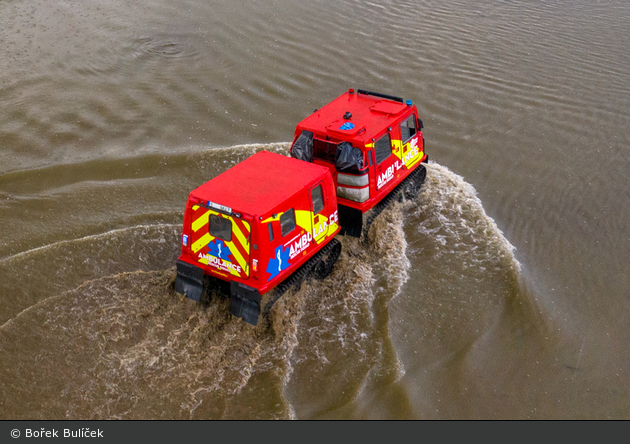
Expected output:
(279, 263)
(219, 249)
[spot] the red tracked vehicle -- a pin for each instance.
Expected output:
(373, 145)
(271, 220)
(254, 226)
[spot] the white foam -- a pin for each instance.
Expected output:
(452, 214)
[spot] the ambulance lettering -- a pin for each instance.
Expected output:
(387, 175)
(299, 245)
(333, 218)
(412, 153)
(221, 264)
(321, 227)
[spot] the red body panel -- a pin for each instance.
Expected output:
(266, 193)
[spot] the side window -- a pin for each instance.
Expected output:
(383, 148)
(408, 128)
(270, 225)
(318, 199)
(220, 227)
(287, 222)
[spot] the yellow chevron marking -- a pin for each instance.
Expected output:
(244, 243)
(237, 255)
(195, 207)
(201, 221)
(202, 242)
(240, 236)
(234, 272)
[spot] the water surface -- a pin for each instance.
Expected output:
(501, 292)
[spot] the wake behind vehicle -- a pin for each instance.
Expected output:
(271, 220)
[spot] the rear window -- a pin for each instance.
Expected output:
(318, 199)
(408, 128)
(220, 227)
(287, 222)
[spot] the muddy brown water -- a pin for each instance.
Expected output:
(500, 292)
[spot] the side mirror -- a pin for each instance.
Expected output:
(420, 125)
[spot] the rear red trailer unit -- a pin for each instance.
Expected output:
(254, 225)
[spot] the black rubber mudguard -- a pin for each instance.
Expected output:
(189, 280)
(245, 302)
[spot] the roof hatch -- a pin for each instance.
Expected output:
(387, 107)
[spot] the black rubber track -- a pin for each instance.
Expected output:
(325, 266)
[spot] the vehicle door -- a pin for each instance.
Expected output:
(319, 218)
(283, 230)
(221, 241)
(410, 150)
(386, 162)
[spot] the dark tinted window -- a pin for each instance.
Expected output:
(270, 231)
(318, 199)
(324, 150)
(287, 222)
(408, 128)
(383, 148)
(220, 227)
